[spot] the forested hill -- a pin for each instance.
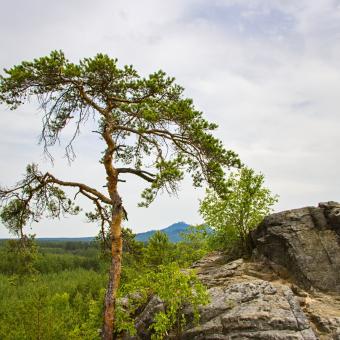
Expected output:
(173, 232)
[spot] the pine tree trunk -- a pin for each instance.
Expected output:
(116, 236)
(114, 277)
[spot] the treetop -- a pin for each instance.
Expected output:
(150, 128)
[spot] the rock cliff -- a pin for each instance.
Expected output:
(306, 242)
(289, 289)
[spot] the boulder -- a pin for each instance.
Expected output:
(245, 305)
(306, 242)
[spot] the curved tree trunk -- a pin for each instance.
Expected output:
(114, 277)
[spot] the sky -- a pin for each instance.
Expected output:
(266, 71)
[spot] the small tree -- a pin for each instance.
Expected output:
(234, 214)
(159, 249)
(193, 245)
(21, 256)
(149, 129)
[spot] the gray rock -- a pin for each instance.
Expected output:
(251, 309)
(332, 212)
(145, 318)
(306, 242)
(241, 306)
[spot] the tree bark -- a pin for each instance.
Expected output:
(114, 276)
(116, 237)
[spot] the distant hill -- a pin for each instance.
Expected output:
(65, 239)
(173, 232)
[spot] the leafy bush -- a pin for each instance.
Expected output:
(176, 288)
(194, 245)
(240, 210)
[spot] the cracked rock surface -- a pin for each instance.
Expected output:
(245, 306)
(306, 242)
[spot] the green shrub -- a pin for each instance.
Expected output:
(176, 288)
(159, 250)
(234, 214)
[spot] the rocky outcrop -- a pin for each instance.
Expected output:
(305, 242)
(289, 289)
(248, 302)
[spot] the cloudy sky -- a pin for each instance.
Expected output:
(268, 72)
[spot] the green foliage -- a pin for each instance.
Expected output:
(234, 214)
(89, 328)
(177, 289)
(19, 256)
(54, 263)
(19, 260)
(194, 245)
(130, 244)
(153, 122)
(14, 216)
(33, 201)
(61, 295)
(159, 249)
(67, 305)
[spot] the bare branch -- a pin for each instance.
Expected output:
(89, 100)
(81, 186)
(148, 176)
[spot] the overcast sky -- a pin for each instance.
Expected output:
(268, 72)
